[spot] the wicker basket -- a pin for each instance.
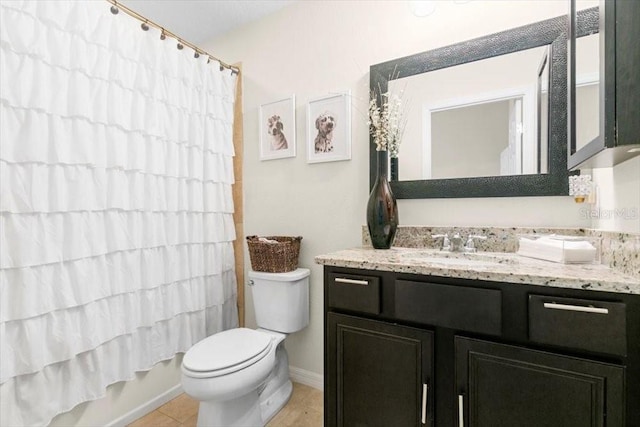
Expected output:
(274, 257)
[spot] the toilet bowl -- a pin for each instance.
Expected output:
(241, 376)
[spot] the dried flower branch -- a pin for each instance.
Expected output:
(387, 122)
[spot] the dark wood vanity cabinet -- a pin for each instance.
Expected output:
(504, 386)
(383, 373)
(410, 350)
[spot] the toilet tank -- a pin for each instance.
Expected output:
(281, 300)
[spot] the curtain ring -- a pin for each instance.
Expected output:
(162, 35)
(114, 9)
(196, 55)
(180, 46)
(144, 26)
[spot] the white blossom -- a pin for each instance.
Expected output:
(387, 122)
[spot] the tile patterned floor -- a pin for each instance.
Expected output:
(304, 409)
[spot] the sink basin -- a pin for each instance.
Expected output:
(458, 261)
(458, 258)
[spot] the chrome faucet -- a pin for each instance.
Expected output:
(455, 242)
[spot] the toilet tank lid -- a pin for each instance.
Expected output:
(289, 276)
(225, 349)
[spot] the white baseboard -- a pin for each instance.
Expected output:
(147, 407)
(306, 377)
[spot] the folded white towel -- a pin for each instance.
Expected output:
(265, 240)
(556, 249)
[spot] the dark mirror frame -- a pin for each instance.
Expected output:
(551, 32)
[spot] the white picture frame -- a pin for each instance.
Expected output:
(329, 128)
(277, 129)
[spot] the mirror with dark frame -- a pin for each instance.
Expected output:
(526, 164)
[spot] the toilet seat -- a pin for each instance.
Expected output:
(226, 352)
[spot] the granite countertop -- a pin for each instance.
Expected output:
(488, 266)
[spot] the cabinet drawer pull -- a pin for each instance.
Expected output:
(425, 390)
(555, 306)
(351, 281)
(460, 410)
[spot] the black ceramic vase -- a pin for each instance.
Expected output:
(394, 168)
(382, 209)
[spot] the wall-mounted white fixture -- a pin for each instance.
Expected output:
(422, 8)
(580, 187)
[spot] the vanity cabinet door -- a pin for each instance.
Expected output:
(501, 385)
(377, 374)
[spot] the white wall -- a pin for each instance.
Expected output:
(313, 48)
(617, 206)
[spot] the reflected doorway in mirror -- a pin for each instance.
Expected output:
(477, 119)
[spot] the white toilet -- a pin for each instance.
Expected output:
(241, 376)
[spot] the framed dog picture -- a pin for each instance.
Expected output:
(278, 129)
(329, 128)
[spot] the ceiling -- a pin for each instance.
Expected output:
(197, 21)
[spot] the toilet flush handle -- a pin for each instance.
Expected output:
(251, 283)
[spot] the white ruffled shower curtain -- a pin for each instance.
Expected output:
(116, 226)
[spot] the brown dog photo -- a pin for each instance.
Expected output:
(275, 128)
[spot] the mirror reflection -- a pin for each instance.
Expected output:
(587, 89)
(587, 108)
(543, 115)
(482, 118)
(493, 126)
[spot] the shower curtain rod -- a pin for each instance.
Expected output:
(165, 32)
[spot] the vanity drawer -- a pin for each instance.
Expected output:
(354, 292)
(456, 307)
(591, 325)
